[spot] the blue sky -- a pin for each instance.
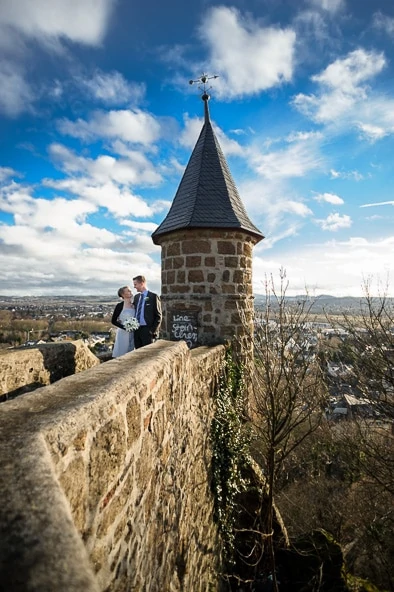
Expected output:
(98, 120)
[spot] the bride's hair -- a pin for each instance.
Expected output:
(121, 290)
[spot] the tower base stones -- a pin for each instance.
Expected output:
(207, 294)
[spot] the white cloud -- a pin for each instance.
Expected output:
(380, 203)
(256, 58)
(136, 169)
(303, 136)
(72, 268)
(355, 175)
(332, 6)
(330, 198)
(310, 24)
(48, 23)
(60, 219)
(348, 73)
(384, 23)
(138, 226)
(15, 95)
(80, 255)
(274, 209)
(6, 172)
(295, 160)
(190, 132)
(335, 222)
(118, 201)
(342, 85)
(372, 132)
(334, 267)
(375, 117)
(112, 88)
(132, 125)
(81, 22)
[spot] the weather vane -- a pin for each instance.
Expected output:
(203, 80)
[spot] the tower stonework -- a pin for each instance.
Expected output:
(207, 243)
(208, 273)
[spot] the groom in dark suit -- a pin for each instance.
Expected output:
(147, 311)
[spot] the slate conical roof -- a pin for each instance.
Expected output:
(207, 196)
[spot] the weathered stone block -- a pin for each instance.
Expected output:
(159, 425)
(231, 262)
(170, 277)
(193, 261)
(173, 249)
(73, 482)
(80, 441)
(180, 289)
(248, 249)
(107, 456)
(230, 304)
(178, 262)
(146, 462)
(98, 557)
(236, 319)
(195, 246)
(133, 418)
(199, 290)
(195, 276)
(226, 248)
(228, 289)
(238, 276)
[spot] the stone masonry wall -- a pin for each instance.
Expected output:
(208, 272)
(105, 477)
(23, 370)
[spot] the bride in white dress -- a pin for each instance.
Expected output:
(124, 340)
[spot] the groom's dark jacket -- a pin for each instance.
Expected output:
(152, 311)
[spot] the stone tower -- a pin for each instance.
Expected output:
(206, 243)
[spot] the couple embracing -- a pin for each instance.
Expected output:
(143, 311)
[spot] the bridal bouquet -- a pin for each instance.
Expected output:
(131, 324)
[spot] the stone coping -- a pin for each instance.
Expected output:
(40, 548)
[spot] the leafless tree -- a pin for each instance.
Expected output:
(369, 342)
(287, 391)
(345, 471)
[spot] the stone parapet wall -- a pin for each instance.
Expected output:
(25, 369)
(208, 272)
(106, 477)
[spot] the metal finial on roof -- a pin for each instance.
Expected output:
(203, 81)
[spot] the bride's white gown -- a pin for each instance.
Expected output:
(124, 340)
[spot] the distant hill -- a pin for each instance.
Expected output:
(323, 302)
(88, 298)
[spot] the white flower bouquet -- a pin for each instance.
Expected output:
(131, 324)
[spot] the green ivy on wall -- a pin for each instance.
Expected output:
(230, 450)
